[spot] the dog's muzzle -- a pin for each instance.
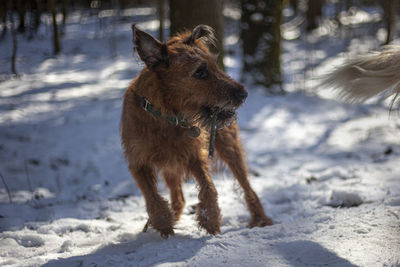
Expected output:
(224, 116)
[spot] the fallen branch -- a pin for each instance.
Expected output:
(5, 185)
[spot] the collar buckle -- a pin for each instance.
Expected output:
(179, 120)
(146, 104)
(176, 121)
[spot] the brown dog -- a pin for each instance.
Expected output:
(168, 113)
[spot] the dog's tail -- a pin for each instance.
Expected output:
(369, 75)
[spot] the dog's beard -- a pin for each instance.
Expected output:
(225, 116)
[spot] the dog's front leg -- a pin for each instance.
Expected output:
(208, 212)
(160, 216)
(230, 150)
(174, 183)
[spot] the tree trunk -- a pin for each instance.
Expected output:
(349, 4)
(185, 15)
(161, 13)
(3, 16)
(34, 18)
(36, 12)
(56, 36)
(64, 12)
(388, 9)
(14, 39)
(314, 13)
(295, 5)
(21, 15)
(261, 37)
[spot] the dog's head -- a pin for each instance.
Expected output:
(194, 84)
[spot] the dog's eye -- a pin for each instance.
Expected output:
(201, 73)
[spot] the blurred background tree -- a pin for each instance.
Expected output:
(14, 41)
(388, 16)
(3, 16)
(56, 36)
(261, 38)
(313, 14)
(185, 15)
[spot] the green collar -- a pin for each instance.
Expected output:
(180, 121)
(175, 120)
(148, 107)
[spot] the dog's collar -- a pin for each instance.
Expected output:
(175, 120)
(148, 107)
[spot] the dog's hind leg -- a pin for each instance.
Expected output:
(229, 149)
(208, 212)
(174, 183)
(160, 216)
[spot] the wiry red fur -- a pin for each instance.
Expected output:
(154, 145)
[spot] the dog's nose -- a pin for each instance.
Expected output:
(241, 95)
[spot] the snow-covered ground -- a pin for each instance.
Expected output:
(327, 173)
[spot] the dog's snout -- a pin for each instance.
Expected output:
(241, 95)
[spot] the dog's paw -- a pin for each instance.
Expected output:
(212, 230)
(260, 221)
(163, 221)
(165, 233)
(209, 219)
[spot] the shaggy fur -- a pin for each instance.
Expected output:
(369, 75)
(182, 78)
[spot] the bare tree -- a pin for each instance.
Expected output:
(21, 10)
(36, 14)
(185, 15)
(14, 39)
(64, 11)
(56, 36)
(314, 13)
(64, 16)
(261, 37)
(295, 5)
(161, 14)
(3, 15)
(34, 17)
(389, 18)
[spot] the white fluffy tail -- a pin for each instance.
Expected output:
(369, 75)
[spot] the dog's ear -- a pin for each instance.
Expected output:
(203, 32)
(149, 49)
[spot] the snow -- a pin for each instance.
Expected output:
(326, 172)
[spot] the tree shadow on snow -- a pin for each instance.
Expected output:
(143, 249)
(309, 253)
